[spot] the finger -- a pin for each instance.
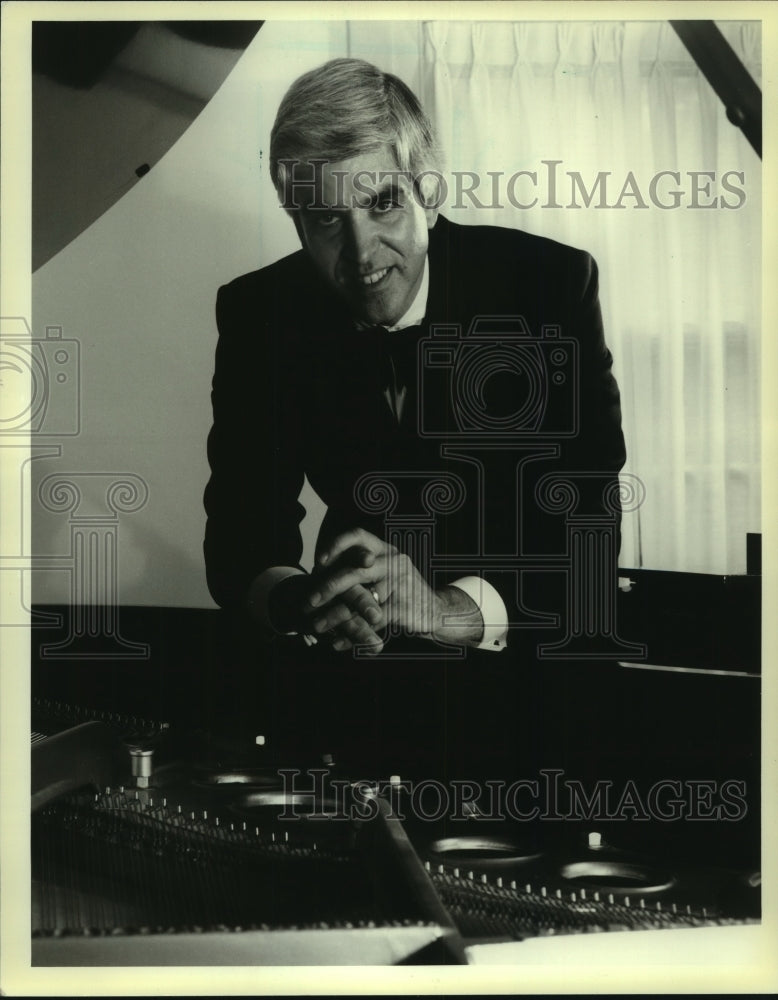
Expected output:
(356, 537)
(356, 633)
(335, 614)
(356, 601)
(364, 603)
(333, 585)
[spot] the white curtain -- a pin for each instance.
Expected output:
(680, 287)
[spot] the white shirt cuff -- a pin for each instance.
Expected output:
(492, 608)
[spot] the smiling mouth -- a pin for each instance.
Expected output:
(366, 280)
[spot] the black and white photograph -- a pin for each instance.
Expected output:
(386, 437)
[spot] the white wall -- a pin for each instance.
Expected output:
(137, 290)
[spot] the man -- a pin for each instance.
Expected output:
(431, 464)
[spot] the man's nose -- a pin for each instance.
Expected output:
(361, 236)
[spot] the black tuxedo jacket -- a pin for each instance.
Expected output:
(492, 412)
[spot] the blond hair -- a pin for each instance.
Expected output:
(343, 109)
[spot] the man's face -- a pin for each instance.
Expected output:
(370, 241)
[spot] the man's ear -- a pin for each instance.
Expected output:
(431, 215)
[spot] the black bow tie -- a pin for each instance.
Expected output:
(396, 355)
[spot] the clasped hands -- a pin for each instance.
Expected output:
(360, 585)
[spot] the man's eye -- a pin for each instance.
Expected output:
(387, 204)
(327, 219)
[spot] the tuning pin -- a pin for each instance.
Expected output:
(574, 898)
(484, 879)
(610, 898)
(427, 866)
(658, 906)
(470, 875)
(499, 881)
(441, 869)
(583, 894)
(626, 901)
(642, 904)
(558, 894)
(596, 896)
(543, 891)
(456, 873)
